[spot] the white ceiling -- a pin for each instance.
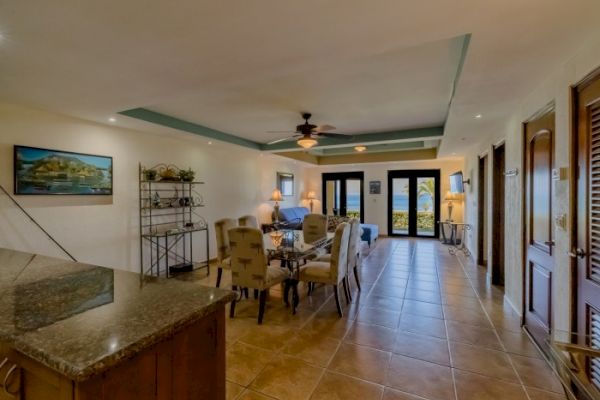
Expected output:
(246, 67)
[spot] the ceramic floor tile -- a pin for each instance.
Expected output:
(378, 316)
(422, 378)
(287, 378)
(393, 394)
(492, 363)
(334, 386)
(232, 390)
(361, 362)
(384, 302)
(422, 308)
(473, 335)
(518, 343)
(312, 348)
(423, 325)
(244, 362)
(425, 348)
(477, 387)
(376, 336)
(536, 373)
(252, 395)
(269, 337)
(537, 394)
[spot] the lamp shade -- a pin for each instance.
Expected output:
(452, 196)
(306, 142)
(276, 195)
(311, 195)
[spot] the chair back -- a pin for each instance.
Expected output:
(248, 262)
(339, 252)
(222, 228)
(354, 243)
(314, 227)
(249, 221)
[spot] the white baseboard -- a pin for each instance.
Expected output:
(511, 305)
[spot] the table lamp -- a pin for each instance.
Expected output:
(311, 195)
(276, 197)
(450, 197)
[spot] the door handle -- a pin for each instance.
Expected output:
(577, 253)
(550, 243)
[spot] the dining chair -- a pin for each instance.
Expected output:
(248, 220)
(249, 266)
(314, 227)
(354, 254)
(331, 272)
(222, 228)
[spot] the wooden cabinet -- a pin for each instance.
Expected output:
(189, 365)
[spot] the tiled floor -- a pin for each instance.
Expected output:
(425, 326)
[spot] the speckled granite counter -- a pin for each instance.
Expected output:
(81, 320)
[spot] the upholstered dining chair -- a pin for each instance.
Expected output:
(354, 254)
(314, 227)
(248, 220)
(222, 228)
(331, 272)
(249, 268)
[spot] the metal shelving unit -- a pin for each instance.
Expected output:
(169, 223)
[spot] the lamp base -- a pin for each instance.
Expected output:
(276, 209)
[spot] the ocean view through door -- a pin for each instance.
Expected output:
(343, 194)
(413, 203)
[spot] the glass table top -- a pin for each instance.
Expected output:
(292, 241)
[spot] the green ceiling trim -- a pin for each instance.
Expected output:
(459, 69)
(166, 120)
(365, 138)
(375, 148)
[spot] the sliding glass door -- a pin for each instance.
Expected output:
(414, 203)
(343, 194)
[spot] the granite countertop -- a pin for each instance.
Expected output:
(81, 320)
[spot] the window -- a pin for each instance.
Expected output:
(285, 183)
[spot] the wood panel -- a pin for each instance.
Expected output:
(481, 211)
(498, 213)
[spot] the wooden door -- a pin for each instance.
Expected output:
(498, 216)
(482, 199)
(586, 251)
(539, 234)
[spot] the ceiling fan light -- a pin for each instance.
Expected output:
(360, 148)
(306, 142)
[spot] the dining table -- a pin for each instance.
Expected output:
(289, 247)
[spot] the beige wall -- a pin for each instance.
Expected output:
(104, 230)
(376, 204)
(556, 87)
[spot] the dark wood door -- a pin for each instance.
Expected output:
(482, 225)
(586, 251)
(498, 216)
(539, 236)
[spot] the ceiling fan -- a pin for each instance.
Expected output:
(307, 133)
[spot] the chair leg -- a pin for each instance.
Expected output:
(345, 285)
(337, 301)
(356, 277)
(261, 306)
(232, 307)
(246, 292)
(219, 275)
(349, 287)
(255, 294)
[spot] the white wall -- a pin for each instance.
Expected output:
(556, 87)
(376, 204)
(104, 230)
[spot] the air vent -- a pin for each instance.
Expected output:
(594, 266)
(594, 342)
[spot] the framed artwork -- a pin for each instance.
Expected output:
(285, 183)
(375, 187)
(54, 172)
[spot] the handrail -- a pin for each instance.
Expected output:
(36, 223)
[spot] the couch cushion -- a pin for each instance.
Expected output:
(301, 212)
(287, 214)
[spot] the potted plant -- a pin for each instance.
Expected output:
(168, 173)
(187, 175)
(150, 174)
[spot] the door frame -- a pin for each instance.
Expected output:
(497, 268)
(330, 176)
(412, 201)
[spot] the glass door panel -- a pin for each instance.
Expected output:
(426, 189)
(332, 197)
(353, 198)
(400, 202)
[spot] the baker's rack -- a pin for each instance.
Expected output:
(169, 222)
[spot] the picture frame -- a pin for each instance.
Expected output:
(285, 183)
(375, 187)
(41, 171)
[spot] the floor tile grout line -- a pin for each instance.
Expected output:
(494, 328)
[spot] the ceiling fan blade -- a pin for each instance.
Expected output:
(324, 128)
(288, 131)
(284, 139)
(335, 135)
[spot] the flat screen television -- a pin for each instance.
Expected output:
(456, 182)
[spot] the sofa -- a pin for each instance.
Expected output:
(293, 217)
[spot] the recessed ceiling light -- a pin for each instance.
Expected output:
(112, 119)
(209, 143)
(478, 116)
(360, 148)
(453, 154)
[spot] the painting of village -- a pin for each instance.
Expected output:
(43, 171)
